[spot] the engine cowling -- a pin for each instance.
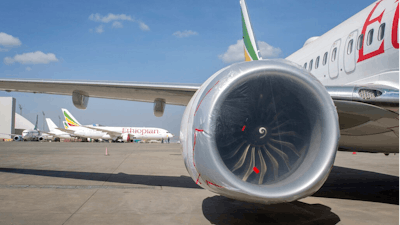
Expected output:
(262, 131)
(126, 137)
(18, 138)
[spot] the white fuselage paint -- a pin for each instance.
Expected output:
(30, 135)
(144, 133)
(376, 63)
(88, 133)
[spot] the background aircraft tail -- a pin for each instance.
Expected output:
(65, 124)
(71, 121)
(251, 51)
(37, 117)
(50, 124)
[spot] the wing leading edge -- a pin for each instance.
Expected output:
(174, 94)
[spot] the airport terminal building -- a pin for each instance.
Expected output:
(10, 121)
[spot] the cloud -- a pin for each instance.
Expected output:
(99, 29)
(28, 68)
(117, 24)
(267, 51)
(110, 17)
(9, 40)
(4, 50)
(186, 33)
(37, 57)
(143, 26)
(117, 20)
(235, 53)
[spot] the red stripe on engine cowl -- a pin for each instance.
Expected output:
(204, 97)
(208, 182)
(198, 179)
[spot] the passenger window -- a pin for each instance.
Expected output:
(325, 58)
(333, 58)
(305, 65)
(317, 62)
(381, 32)
(350, 47)
(311, 62)
(370, 37)
(360, 41)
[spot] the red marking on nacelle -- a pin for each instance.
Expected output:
(208, 182)
(256, 170)
(197, 181)
(244, 127)
(204, 97)
(194, 142)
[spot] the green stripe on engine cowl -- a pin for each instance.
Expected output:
(247, 41)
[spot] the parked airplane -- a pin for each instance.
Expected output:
(75, 129)
(30, 135)
(55, 132)
(127, 134)
(268, 130)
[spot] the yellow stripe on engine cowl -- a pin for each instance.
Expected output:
(246, 55)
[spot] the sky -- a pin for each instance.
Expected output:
(153, 41)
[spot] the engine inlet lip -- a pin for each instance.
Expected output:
(296, 187)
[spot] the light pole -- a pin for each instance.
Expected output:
(59, 121)
(20, 109)
(43, 120)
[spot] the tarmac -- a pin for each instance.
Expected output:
(75, 183)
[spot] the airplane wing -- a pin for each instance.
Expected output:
(111, 133)
(367, 114)
(12, 134)
(174, 94)
(65, 130)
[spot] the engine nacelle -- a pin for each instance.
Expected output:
(262, 131)
(126, 137)
(18, 138)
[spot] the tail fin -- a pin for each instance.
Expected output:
(37, 116)
(65, 124)
(50, 124)
(251, 51)
(72, 122)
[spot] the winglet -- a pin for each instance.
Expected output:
(65, 124)
(251, 51)
(71, 121)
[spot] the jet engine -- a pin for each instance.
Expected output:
(262, 131)
(18, 138)
(126, 138)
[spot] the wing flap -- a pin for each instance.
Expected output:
(366, 127)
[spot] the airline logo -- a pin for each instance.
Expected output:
(139, 131)
(250, 45)
(249, 52)
(375, 16)
(69, 120)
(65, 124)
